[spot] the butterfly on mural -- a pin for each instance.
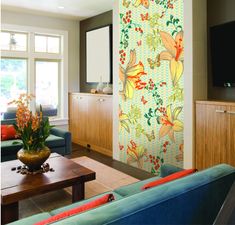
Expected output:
(144, 3)
(153, 63)
(143, 100)
(121, 147)
(139, 43)
(144, 17)
(150, 136)
(126, 3)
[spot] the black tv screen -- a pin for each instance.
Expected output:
(222, 39)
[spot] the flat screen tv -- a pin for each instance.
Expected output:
(222, 39)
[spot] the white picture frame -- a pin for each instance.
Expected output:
(98, 55)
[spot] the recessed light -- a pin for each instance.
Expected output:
(60, 7)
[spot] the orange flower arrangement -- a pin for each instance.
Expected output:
(31, 128)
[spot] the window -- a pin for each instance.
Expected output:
(47, 86)
(13, 80)
(49, 44)
(34, 60)
(13, 41)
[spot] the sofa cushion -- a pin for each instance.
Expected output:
(79, 209)
(134, 188)
(169, 178)
(54, 141)
(8, 132)
(32, 219)
(8, 148)
(76, 204)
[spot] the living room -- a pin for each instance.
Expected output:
(154, 103)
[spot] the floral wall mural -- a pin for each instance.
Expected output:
(151, 91)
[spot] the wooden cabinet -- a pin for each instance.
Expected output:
(215, 133)
(90, 121)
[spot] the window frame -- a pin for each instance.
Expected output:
(32, 56)
(45, 35)
(16, 32)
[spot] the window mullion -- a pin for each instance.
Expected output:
(31, 71)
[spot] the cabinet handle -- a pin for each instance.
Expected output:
(80, 97)
(101, 100)
(220, 111)
(231, 112)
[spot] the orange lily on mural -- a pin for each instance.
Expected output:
(130, 77)
(174, 53)
(170, 123)
(144, 3)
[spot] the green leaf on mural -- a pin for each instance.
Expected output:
(168, 23)
(121, 15)
(153, 171)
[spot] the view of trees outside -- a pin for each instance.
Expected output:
(13, 80)
(47, 78)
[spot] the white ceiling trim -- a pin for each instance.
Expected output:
(73, 9)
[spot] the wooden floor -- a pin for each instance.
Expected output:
(78, 151)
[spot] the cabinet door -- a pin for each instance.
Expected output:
(99, 133)
(231, 149)
(78, 121)
(106, 122)
(93, 134)
(211, 135)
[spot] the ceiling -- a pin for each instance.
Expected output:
(74, 9)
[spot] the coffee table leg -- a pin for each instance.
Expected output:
(78, 192)
(9, 213)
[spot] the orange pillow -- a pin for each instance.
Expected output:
(8, 132)
(171, 177)
(90, 205)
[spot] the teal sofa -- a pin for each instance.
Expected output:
(59, 141)
(192, 200)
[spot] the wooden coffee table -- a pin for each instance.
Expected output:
(16, 187)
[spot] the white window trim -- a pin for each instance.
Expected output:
(30, 54)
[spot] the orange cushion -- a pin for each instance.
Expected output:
(171, 177)
(90, 205)
(8, 132)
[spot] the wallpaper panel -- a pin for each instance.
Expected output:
(150, 84)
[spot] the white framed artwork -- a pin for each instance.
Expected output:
(99, 55)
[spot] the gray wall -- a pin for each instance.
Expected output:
(86, 25)
(72, 26)
(218, 12)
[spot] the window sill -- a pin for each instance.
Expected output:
(58, 121)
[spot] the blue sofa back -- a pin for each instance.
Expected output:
(195, 199)
(59, 141)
